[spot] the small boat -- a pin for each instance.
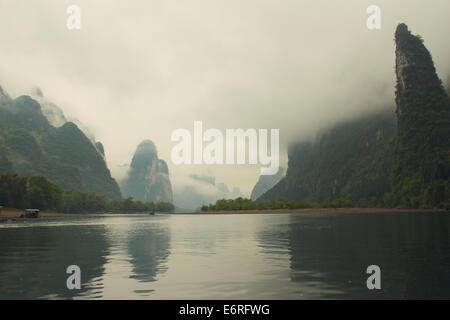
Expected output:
(30, 213)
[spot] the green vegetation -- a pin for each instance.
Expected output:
(38, 192)
(30, 146)
(420, 175)
(383, 160)
(243, 204)
(41, 193)
(55, 168)
(350, 161)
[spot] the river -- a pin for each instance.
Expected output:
(236, 256)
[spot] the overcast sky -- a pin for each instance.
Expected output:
(141, 69)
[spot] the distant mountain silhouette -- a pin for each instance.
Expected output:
(148, 177)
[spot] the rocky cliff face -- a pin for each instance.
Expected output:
(148, 177)
(30, 145)
(55, 115)
(350, 161)
(51, 111)
(380, 160)
(422, 157)
(100, 148)
(163, 185)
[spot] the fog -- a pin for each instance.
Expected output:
(140, 69)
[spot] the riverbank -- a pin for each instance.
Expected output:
(16, 213)
(9, 213)
(321, 211)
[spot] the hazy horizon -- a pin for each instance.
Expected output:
(294, 65)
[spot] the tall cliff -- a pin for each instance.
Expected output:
(421, 168)
(30, 145)
(148, 177)
(350, 161)
(382, 160)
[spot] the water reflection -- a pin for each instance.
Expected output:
(149, 250)
(228, 257)
(332, 252)
(33, 261)
(34, 257)
(140, 247)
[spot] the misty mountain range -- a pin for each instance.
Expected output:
(31, 145)
(387, 159)
(36, 138)
(203, 189)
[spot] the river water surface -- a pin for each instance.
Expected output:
(236, 256)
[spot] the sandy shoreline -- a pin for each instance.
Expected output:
(321, 211)
(15, 213)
